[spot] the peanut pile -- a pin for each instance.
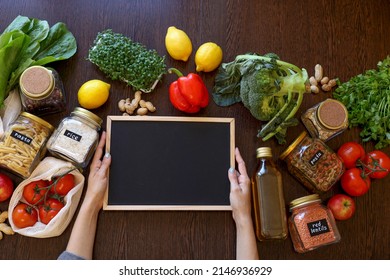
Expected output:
(4, 228)
(129, 107)
(320, 81)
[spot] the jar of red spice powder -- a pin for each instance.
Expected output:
(326, 119)
(311, 224)
(313, 163)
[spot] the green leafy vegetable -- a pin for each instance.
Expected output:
(30, 41)
(122, 59)
(271, 89)
(367, 98)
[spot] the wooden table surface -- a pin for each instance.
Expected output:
(347, 37)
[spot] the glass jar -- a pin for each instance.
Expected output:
(23, 145)
(313, 163)
(41, 91)
(326, 119)
(311, 224)
(76, 137)
(268, 198)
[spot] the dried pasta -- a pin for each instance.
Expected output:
(23, 143)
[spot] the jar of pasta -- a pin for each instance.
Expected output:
(76, 137)
(41, 91)
(24, 144)
(313, 163)
(311, 224)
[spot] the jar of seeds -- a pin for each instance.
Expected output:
(76, 137)
(41, 91)
(326, 119)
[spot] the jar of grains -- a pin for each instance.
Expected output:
(76, 137)
(313, 163)
(311, 224)
(326, 119)
(41, 91)
(24, 144)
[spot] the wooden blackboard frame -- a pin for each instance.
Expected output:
(159, 120)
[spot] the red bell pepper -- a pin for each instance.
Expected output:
(188, 94)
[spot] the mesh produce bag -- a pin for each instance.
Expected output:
(47, 169)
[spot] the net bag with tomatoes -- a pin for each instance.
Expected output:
(44, 204)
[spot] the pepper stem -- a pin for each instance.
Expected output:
(175, 71)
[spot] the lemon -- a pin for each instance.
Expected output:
(93, 94)
(208, 57)
(178, 44)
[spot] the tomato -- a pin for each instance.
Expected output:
(63, 185)
(6, 187)
(350, 152)
(24, 215)
(34, 192)
(49, 210)
(353, 183)
(377, 160)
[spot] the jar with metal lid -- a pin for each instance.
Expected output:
(76, 137)
(313, 163)
(41, 91)
(326, 119)
(268, 198)
(24, 144)
(311, 224)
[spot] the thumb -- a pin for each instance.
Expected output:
(232, 175)
(106, 161)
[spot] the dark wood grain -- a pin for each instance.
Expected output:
(347, 37)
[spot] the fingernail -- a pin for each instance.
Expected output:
(107, 155)
(231, 170)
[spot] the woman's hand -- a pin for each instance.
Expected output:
(98, 174)
(240, 192)
(240, 200)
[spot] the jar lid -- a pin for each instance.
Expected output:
(332, 114)
(37, 119)
(304, 200)
(263, 152)
(85, 113)
(293, 145)
(36, 82)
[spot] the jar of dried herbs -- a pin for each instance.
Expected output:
(24, 144)
(311, 224)
(326, 119)
(41, 91)
(76, 137)
(313, 163)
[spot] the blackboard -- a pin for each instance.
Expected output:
(169, 163)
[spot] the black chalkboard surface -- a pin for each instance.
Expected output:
(169, 163)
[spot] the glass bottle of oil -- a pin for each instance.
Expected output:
(268, 198)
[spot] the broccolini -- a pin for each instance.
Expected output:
(271, 89)
(120, 58)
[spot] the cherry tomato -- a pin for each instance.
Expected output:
(63, 185)
(49, 210)
(6, 187)
(34, 192)
(24, 215)
(378, 164)
(353, 183)
(350, 152)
